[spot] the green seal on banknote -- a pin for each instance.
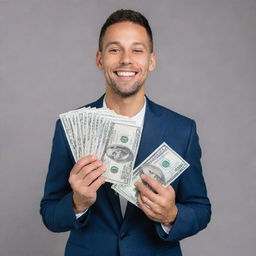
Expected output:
(114, 169)
(165, 164)
(124, 139)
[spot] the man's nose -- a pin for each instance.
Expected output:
(126, 58)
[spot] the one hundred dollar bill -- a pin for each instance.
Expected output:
(70, 134)
(164, 165)
(120, 152)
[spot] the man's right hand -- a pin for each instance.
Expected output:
(85, 179)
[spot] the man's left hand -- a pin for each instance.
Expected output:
(159, 204)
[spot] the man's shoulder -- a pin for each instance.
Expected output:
(167, 113)
(96, 103)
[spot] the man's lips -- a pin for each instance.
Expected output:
(125, 73)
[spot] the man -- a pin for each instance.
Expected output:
(76, 197)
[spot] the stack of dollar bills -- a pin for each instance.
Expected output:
(111, 137)
(115, 140)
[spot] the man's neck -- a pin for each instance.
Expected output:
(126, 106)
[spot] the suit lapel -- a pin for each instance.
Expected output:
(152, 137)
(152, 133)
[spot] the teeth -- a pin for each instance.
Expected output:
(126, 73)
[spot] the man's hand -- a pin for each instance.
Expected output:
(159, 204)
(85, 179)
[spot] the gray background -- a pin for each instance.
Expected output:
(206, 70)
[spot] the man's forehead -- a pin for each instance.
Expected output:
(125, 24)
(125, 29)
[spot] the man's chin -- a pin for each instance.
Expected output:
(126, 93)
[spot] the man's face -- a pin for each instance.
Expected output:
(125, 58)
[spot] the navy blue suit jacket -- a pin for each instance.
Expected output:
(102, 230)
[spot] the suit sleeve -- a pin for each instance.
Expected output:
(194, 208)
(56, 205)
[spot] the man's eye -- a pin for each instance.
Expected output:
(137, 50)
(114, 50)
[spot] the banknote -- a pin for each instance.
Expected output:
(164, 165)
(69, 134)
(120, 152)
(100, 131)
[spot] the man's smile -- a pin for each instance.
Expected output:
(126, 74)
(122, 73)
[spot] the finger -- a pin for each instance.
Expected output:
(83, 162)
(146, 201)
(167, 197)
(170, 189)
(154, 184)
(141, 203)
(147, 192)
(93, 175)
(95, 185)
(146, 209)
(88, 169)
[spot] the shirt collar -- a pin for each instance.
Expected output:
(139, 117)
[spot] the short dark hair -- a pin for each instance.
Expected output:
(122, 16)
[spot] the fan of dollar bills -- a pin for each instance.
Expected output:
(115, 140)
(112, 138)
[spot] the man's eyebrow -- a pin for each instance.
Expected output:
(139, 43)
(119, 44)
(112, 42)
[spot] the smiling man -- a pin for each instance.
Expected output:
(76, 197)
(126, 57)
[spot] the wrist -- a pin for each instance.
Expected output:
(172, 217)
(78, 210)
(78, 206)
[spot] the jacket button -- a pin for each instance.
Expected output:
(123, 235)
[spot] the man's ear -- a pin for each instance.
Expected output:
(152, 63)
(99, 60)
